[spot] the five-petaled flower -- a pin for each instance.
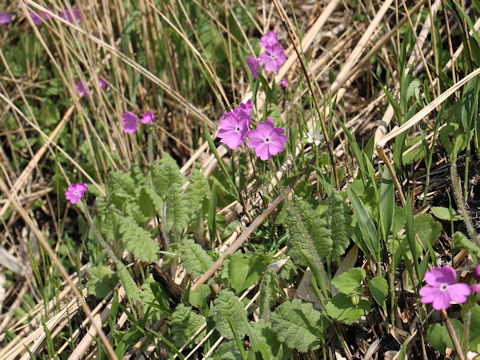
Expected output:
(130, 122)
(266, 139)
(234, 125)
(254, 65)
(441, 290)
(268, 40)
(283, 83)
(273, 58)
(75, 192)
(314, 137)
(147, 118)
(5, 18)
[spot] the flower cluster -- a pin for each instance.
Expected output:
(73, 16)
(441, 290)
(75, 192)
(266, 139)
(82, 88)
(130, 121)
(272, 58)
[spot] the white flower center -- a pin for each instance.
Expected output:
(267, 140)
(75, 193)
(443, 287)
(237, 129)
(273, 57)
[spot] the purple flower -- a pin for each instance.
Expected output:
(477, 272)
(266, 139)
(35, 18)
(5, 18)
(130, 122)
(269, 39)
(82, 89)
(475, 288)
(234, 125)
(46, 15)
(147, 118)
(273, 58)
(254, 65)
(283, 83)
(440, 289)
(101, 82)
(66, 15)
(75, 192)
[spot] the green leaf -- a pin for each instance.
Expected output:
(197, 191)
(150, 202)
(265, 335)
(387, 201)
(122, 187)
(165, 174)
(349, 281)
(185, 323)
(427, 229)
(443, 213)
(194, 259)
(137, 240)
(298, 325)
(365, 223)
(378, 289)
(336, 222)
(198, 297)
(227, 307)
(474, 338)
(155, 305)
(101, 280)
(268, 293)
(244, 270)
(308, 233)
(461, 241)
(342, 308)
(130, 287)
(177, 209)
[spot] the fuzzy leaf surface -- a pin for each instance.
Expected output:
(137, 240)
(298, 325)
(336, 222)
(101, 280)
(165, 174)
(227, 307)
(195, 260)
(185, 323)
(349, 281)
(177, 209)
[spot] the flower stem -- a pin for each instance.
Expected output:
(453, 335)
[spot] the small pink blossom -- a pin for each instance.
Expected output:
(101, 82)
(477, 272)
(283, 83)
(475, 288)
(441, 290)
(71, 16)
(273, 58)
(269, 39)
(5, 18)
(254, 65)
(266, 139)
(75, 192)
(46, 15)
(130, 122)
(234, 125)
(82, 89)
(35, 18)
(147, 118)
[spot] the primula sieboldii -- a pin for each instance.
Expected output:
(130, 122)
(234, 125)
(5, 18)
(441, 290)
(101, 82)
(273, 58)
(269, 39)
(254, 65)
(266, 139)
(82, 89)
(283, 83)
(147, 118)
(75, 192)
(37, 20)
(71, 16)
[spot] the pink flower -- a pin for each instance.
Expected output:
(440, 289)
(269, 39)
(147, 118)
(130, 122)
(273, 58)
(5, 18)
(477, 272)
(82, 89)
(46, 15)
(254, 65)
(234, 125)
(35, 18)
(75, 192)
(67, 15)
(283, 83)
(475, 288)
(266, 139)
(101, 82)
